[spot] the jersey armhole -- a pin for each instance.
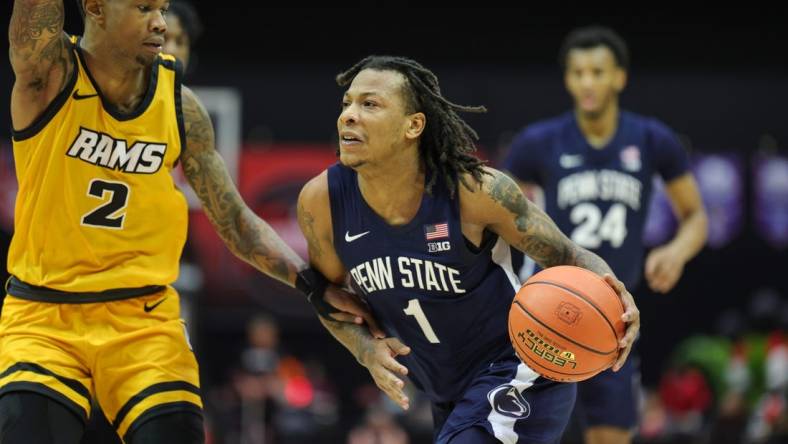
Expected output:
(334, 178)
(179, 109)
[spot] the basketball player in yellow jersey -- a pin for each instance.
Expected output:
(99, 122)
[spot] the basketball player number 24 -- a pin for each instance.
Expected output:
(593, 228)
(111, 213)
(414, 309)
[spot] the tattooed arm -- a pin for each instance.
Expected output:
(526, 227)
(501, 207)
(39, 53)
(246, 235)
(377, 355)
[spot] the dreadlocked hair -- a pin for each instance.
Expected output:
(447, 144)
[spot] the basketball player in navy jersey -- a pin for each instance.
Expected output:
(421, 227)
(595, 166)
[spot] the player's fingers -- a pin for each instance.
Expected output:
(374, 328)
(347, 317)
(622, 358)
(632, 331)
(662, 285)
(631, 312)
(397, 347)
(354, 311)
(664, 282)
(626, 343)
(653, 283)
(657, 266)
(617, 285)
(651, 264)
(344, 301)
(394, 366)
(392, 386)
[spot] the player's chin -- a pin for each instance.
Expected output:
(593, 113)
(350, 160)
(146, 59)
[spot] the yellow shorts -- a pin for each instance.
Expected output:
(131, 355)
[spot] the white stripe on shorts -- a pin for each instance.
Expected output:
(503, 425)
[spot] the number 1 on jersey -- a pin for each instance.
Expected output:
(414, 309)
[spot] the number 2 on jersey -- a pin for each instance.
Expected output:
(414, 309)
(112, 213)
(593, 228)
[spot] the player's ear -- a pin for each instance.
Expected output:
(94, 10)
(620, 79)
(416, 124)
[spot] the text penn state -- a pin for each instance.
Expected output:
(382, 274)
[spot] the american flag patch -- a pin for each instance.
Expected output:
(436, 231)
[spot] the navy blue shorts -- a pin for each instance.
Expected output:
(511, 402)
(610, 398)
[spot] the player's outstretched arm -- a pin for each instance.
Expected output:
(246, 235)
(501, 207)
(377, 355)
(39, 53)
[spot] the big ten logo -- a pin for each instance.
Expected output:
(546, 351)
(434, 247)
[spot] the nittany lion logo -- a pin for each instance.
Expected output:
(507, 400)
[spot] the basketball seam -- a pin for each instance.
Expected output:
(583, 297)
(531, 360)
(599, 352)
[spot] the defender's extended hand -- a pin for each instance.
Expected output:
(379, 360)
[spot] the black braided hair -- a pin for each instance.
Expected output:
(447, 144)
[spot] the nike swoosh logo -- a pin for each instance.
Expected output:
(570, 161)
(78, 96)
(150, 308)
(349, 238)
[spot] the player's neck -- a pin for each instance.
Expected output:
(394, 191)
(122, 83)
(599, 128)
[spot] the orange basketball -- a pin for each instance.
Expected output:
(565, 323)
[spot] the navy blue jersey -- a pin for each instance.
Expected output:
(447, 300)
(599, 197)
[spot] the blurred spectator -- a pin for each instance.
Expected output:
(272, 397)
(378, 428)
(380, 425)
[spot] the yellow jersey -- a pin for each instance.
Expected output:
(97, 207)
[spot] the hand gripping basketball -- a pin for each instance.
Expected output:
(567, 323)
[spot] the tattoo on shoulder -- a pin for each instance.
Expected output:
(505, 191)
(540, 239)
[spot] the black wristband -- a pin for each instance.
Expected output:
(313, 285)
